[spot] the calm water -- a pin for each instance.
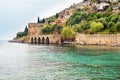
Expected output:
(52, 62)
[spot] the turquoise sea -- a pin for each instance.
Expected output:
(58, 62)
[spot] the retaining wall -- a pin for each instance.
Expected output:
(103, 39)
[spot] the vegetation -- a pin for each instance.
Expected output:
(57, 15)
(96, 27)
(51, 19)
(46, 29)
(22, 34)
(41, 21)
(68, 34)
(94, 22)
(81, 21)
(53, 29)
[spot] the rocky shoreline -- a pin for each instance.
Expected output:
(16, 41)
(69, 43)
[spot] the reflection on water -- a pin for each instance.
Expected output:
(55, 62)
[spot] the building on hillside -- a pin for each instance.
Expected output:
(59, 20)
(101, 6)
(108, 1)
(116, 8)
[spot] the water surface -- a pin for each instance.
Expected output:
(55, 62)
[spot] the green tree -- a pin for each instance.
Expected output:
(20, 34)
(114, 18)
(26, 30)
(118, 26)
(51, 19)
(43, 20)
(38, 21)
(110, 24)
(57, 15)
(46, 29)
(77, 28)
(96, 27)
(109, 9)
(56, 28)
(68, 34)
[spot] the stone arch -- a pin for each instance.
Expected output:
(39, 40)
(43, 40)
(35, 40)
(32, 40)
(47, 40)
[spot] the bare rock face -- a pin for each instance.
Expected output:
(35, 29)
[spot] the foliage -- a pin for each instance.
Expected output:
(82, 27)
(46, 29)
(51, 19)
(118, 26)
(38, 21)
(93, 0)
(68, 33)
(76, 18)
(118, 0)
(57, 15)
(20, 34)
(43, 20)
(114, 18)
(26, 30)
(110, 24)
(81, 21)
(109, 9)
(56, 28)
(96, 27)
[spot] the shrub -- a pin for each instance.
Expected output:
(96, 27)
(68, 33)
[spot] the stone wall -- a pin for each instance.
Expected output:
(35, 28)
(35, 33)
(53, 39)
(100, 39)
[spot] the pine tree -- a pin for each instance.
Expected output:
(38, 20)
(26, 30)
(43, 21)
(57, 15)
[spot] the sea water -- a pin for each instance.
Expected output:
(58, 62)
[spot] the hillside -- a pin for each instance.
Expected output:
(89, 17)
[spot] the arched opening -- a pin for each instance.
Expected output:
(32, 40)
(39, 40)
(47, 40)
(43, 40)
(35, 40)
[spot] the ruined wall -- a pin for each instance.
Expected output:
(35, 33)
(53, 39)
(35, 28)
(101, 39)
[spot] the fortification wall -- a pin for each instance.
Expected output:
(100, 39)
(35, 28)
(53, 39)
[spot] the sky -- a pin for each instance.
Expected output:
(16, 14)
